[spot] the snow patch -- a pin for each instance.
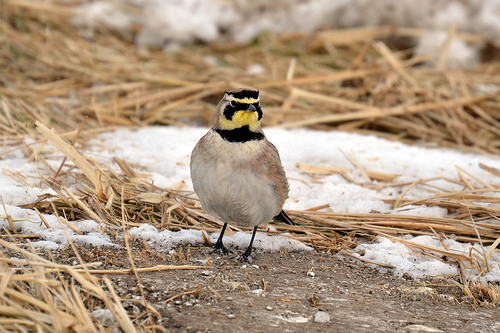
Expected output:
(166, 240)
(413, 262)
(242, 21)
(164, 152)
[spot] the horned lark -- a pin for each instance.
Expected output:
(236, 172)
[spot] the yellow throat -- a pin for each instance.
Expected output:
(241, 118)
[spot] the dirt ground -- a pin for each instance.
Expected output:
(288, 292)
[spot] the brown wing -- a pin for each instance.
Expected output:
(276, 171)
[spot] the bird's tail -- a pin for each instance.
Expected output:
(284, 218)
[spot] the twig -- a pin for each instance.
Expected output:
(366, 260)
(9, 218)
(72, 144)
(443, 55)
(196, 290)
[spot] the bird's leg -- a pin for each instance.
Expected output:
(219, 247)
(248, 252)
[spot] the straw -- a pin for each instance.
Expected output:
(59, 88)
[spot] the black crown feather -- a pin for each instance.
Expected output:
(243, 93)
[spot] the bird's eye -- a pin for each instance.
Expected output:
(231, 103)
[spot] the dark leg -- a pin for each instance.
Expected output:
(219, 247)
(248, 252)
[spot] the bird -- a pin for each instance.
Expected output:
(236, 172)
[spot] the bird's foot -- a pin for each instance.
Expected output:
(244, 257)
(220, 250)
(217, 249)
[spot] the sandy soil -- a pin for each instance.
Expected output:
(288, 292)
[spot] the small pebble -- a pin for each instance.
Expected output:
(312, 274)
(422, 328)
(258, 292)
(206, 273)
(104, 316)
(231, 316)
(269, 308)
(321, 317)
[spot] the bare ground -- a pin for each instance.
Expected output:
(287, 292)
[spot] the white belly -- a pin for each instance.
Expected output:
(227, 189)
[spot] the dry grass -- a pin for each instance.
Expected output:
(74, 88)
(54, 76)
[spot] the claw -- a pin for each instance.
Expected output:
(217, 249)
(246, 256)
(220, 250)
(243, 258)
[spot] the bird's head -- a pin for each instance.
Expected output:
(239, 108)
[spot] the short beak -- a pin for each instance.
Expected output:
(251, 108)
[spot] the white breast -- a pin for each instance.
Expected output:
(229, 189)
